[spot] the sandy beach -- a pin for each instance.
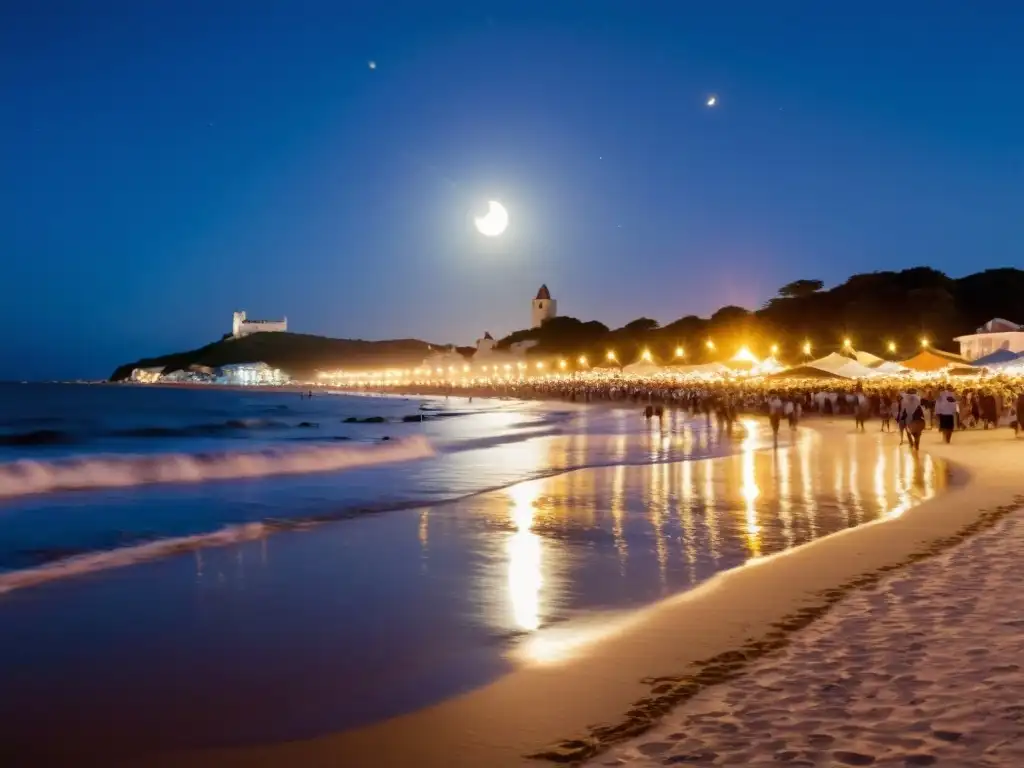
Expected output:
(595, 692)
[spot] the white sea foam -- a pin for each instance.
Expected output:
(25, 477)
(118, 558)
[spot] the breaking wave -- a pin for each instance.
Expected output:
(118, 558)
(26, 477)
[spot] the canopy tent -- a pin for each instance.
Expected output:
(868, 359)
(888, 368)
(998, 358)
(804, 372)
(700, 369)
(841, 366)
(929, 360)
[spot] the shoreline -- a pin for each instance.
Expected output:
(665, 653)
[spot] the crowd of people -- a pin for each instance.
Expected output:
(901, 404)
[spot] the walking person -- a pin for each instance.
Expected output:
(946, 408)
(912, 417)
(775, 414)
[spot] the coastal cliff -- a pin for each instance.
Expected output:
(297, 353)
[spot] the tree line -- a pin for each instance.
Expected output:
(872, 310)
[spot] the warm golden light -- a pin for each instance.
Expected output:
(807, 347)
(892, 346)
(646, 355)
(709, 344)
(680, 352)
(847, 343)
(924, 342)
(774, 349)
(540, 366)
(611, 354)
(562, 364)
(525, 578)
(582, 360)
(744, 355)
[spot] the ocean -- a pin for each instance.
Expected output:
(114, 469)
(314, 571)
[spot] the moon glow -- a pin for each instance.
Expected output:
(495, 222)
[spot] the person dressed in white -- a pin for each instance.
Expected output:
(946, 408)
(912, 417)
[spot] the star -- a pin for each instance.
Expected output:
(372, 64)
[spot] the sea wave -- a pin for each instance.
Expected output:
(198, 430)
(26, 477)
(139, 553)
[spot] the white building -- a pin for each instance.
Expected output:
(544, 308)
(252, 374)
(994, 335)
(242, 326)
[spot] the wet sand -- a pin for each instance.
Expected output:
(529, 613)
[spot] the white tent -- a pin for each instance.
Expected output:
(889, 368)
(701, 369)
(867, 359)
(838, 365)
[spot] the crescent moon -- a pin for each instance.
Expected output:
(495, 222)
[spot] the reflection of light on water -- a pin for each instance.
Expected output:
(686, 513)
(858, 510)
(423, 533)
(524, 558)
(807, 482)
(840, 495)
(710, 512)
(424, 530)
(750, 490)
(620, 449)
(618, 504)
(657, 502)
(785, 499)
(881, 492)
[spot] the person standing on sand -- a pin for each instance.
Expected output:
(774, 413)
(860, 408)
(946, 408)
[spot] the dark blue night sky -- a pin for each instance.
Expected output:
(165, 163)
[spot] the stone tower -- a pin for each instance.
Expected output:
(544, 307)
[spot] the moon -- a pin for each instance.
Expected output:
(712, 100)
(495, 222)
